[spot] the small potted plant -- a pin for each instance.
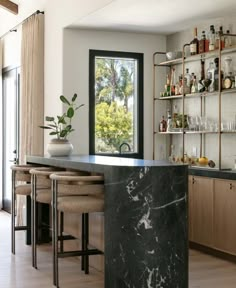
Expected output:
(61, 127)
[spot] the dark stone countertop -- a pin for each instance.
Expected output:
(96, 163)
(213, 173)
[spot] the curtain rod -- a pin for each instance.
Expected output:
(14, 29)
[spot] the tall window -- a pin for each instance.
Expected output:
(116, 103)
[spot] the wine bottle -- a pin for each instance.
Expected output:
(194, 43)
(201, 87)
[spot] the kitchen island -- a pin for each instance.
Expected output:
(146, 234)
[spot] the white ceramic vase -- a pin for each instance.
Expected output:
(59, 147)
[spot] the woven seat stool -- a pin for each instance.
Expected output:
(81, 195)
(21, 185)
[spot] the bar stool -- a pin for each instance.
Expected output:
(81, 195)
(41, 193)
(21, 185)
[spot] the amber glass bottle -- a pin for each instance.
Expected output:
(194, 43)
(202, 43)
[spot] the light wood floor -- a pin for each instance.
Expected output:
(16, 271)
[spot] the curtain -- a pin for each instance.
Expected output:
(31, 140)
(32, 87)
(1, 59)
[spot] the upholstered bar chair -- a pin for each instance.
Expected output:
(41, 193)
(21, 185)
(81, 195)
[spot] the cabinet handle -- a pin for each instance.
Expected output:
(193, 181)
(230, 186)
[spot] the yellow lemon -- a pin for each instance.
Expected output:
(203, 160)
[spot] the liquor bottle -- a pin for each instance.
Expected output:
(169, 121)
(210, 75)
(212, 38)
(180, 85)
(207, 43)
(194, 43)
(186, 82)
(216, 74)
(187, 77)
(191, 81)
(162, 125)
(172, 82)
(217, 40)
(201, 87)
(202, 43)
(167, 85)
(228, 40)
(194, 87)
(222, 39)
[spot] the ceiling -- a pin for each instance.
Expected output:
(156, 16)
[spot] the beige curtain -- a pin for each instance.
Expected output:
(32, 87)
(1, 59)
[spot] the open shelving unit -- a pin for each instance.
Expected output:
(201, 96)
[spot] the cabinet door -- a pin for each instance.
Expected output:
(202, 210)
(225, 215)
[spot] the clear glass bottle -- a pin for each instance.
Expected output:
(217, 40)
(212, 38)
(194, 87)
(228, 40)
(169, 121)
(222, 39)
(187, 80)
(210, 75)
(172, 81)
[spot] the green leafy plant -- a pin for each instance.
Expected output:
(61, 125)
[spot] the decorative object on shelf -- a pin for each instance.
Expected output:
(172, 55)
(61, 127)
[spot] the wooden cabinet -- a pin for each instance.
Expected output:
(201, 210)
(225, 215)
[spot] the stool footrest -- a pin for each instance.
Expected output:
(66, 237)
(79, 253)
(19, 228)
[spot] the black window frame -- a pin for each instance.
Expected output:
(107, 53)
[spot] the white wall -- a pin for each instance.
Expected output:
(58, 14)
(76, 74)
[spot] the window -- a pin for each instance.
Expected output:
(116, 103)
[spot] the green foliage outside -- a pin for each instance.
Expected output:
(113, 126)
(113, 88)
